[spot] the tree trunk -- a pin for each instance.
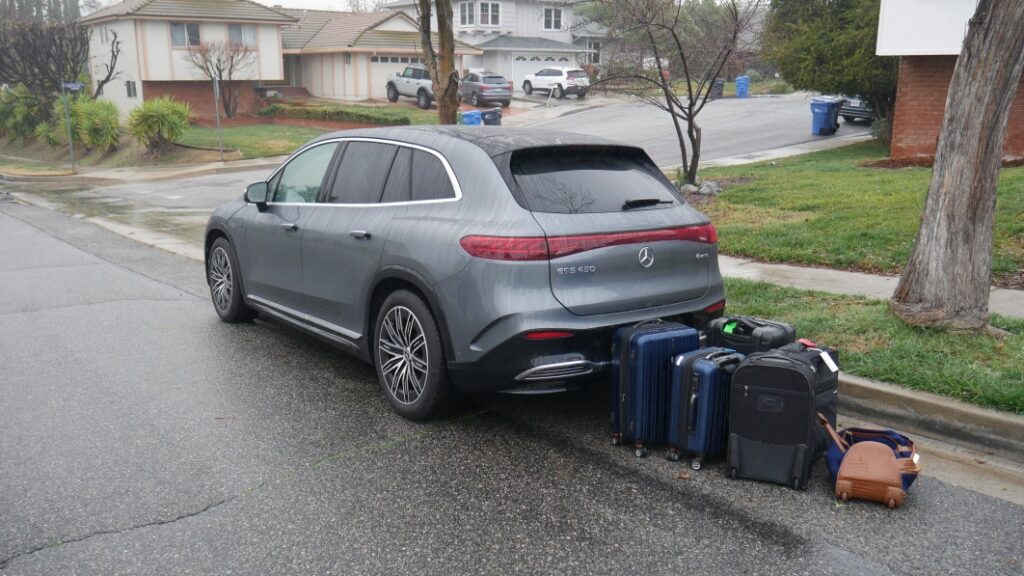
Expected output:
(946, 281)
(446, 83)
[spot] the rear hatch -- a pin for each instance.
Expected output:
(619, 235)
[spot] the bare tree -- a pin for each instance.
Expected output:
(110, 67)
(42, 55)
(223, 62)
(440, 62)
(679, 48)
(946, 281)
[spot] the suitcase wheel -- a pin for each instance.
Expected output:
(695, 464)
(844, 496)
(732, 473)
(796, 483)
(641, 452)
(616, 440)
(672, 455)
(892, 503)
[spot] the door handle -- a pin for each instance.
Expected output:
(361, 234)
(289, 227)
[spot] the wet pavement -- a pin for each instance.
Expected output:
(140, 435)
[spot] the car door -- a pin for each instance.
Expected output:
(273, 265)
(405, 81)
(343, 243)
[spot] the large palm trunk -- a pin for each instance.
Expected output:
(946, 281)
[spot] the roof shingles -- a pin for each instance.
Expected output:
(199, 9)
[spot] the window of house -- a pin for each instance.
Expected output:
(184, 34)
(466, 15)
(490, 14)
(242, 35)
(131, 88)
(594, 57)
(552, 18)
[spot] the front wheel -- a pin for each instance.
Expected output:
(581, 95)
(423, 100)
(527, 88)
(558, 92)
(392, 93)
(225, 283)
(409, 357)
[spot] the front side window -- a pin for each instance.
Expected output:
(430, 180)
(552, 18)
(184, 34)
(466, 15)
(242, 35)
(407, 73)
(362, 173)
(302, 178)
(490, 14)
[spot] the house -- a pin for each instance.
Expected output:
(348, 56)
(928, 51)
(155, 35)
(519, 37)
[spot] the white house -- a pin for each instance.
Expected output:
(519, 37)
(154, 36)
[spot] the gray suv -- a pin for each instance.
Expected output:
(476, 259)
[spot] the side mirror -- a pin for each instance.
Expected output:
(257, 194)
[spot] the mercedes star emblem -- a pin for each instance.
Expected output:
(646, 257)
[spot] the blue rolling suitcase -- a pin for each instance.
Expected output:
(641, 377)
(699, 404)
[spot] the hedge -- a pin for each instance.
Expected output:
(351, 114)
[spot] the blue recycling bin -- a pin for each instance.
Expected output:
(471, 118)
(742, 86)
(825, 115)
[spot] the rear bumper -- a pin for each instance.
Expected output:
(855, 112)
(572, 89)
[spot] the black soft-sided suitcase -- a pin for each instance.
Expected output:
(773, 432)
(698, 421)
(641, 376)
(747, 334)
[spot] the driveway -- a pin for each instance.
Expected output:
(729, 127)
(140, 435)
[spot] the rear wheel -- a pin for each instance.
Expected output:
(423, 99)
(409, 357)
(558, 92)
(849, 119)
(392, 93)
(475, 101)
(506, 103)
(527, 88)
(225, 283)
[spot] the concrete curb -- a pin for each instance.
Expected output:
(917, 412)
(140, 175)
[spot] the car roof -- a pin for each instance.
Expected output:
(494, 140)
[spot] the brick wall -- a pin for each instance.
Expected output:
(920, 105)
(200, 96)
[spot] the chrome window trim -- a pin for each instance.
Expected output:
(340, 140)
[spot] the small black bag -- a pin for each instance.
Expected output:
(747, 335)
(774, 433)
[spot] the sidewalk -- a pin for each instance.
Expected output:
(1002, 301)
(151, 173)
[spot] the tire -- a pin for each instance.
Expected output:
(558, 92)
(401, 361)
(392, 93)
(849, 119)
(581, 95)
(222, 275)
(475, 99)
(423, 99)
(527, 88)
(506, 103)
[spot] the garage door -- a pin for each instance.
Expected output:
(383, 66)
(523, 64)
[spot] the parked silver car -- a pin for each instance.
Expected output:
(479, 88)
(469, 258)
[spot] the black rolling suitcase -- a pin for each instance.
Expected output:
(747, 335)
(641, 377)
(774, 435)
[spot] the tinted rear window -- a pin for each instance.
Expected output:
(577, 74)
(588, 180)
(430, 180)
(495, 80)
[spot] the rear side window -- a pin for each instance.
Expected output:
(362, 173)
(429, 178)
(577, 74)
(574, 180)
(397, 187)
(495, 80)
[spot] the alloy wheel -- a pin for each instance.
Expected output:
(220, 278)
(402, 354)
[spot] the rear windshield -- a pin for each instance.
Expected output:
(577, 74)
(495, 80)
(574, 180)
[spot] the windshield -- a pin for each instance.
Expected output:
(580, 180)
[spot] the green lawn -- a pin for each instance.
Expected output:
(873, 343)
(823, 209)
(759, 88)
(254, 141)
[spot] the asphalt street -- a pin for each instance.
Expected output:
(729, 127)
(140, 435)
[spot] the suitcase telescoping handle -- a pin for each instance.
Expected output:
(692, 418)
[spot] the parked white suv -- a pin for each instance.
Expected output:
(558, 82)
(415, 82)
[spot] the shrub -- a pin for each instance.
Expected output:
(160, 122)
(354, 114)
(97, 124)
(21, 111)
(46, 132)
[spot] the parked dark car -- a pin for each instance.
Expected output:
(474, 258)
(855, 108)
(481, 88)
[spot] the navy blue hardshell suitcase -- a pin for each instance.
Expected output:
(641, 378)
(698, 423)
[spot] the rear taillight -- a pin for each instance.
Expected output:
(537, 248)
(717, 306)
(548, 334)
